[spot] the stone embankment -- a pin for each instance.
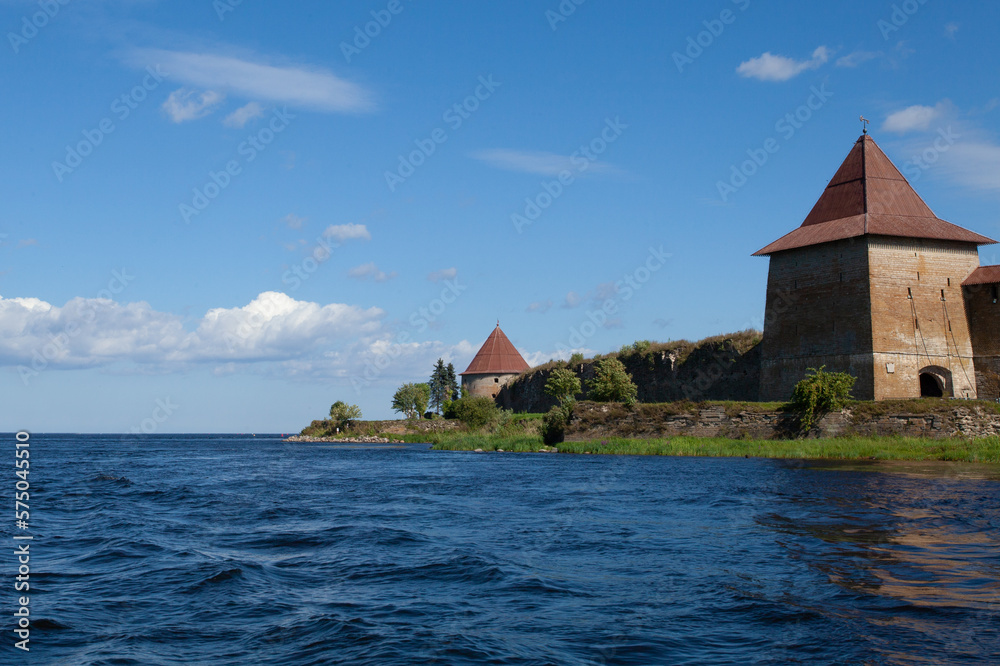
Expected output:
(721, 368)
(949, 419)
(343, 440)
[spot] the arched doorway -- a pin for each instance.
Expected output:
(930, 386)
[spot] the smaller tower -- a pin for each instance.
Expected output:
(496, 363)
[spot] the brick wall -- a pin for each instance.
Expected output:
(882, 309)
(984, 327)
(918, 315)
(817, 313)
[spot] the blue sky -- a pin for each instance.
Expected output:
(223, 216)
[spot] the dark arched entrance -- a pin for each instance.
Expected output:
(930, 386)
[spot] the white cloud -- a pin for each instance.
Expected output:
(857, 58)
(915, 118)
(539, 163)
(950, 30)
(95, 332)
(370, 270)
(770, 67)
(443, 274)
(305, 87)
(537, 358)
(185, 104)
(293, 221)
(241, 116)
(540, 307)
(344, 232)
(975, 164)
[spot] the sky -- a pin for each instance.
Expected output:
(223, 216)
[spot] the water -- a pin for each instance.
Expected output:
(238, 550)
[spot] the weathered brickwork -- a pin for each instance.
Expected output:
(487, 386)
(595, 421)
(918, 316)
(883, 309)
(982, 303)
(817, 313)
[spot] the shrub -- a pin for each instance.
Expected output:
(475, 412)
(611, 383)
(576, 359)
(554, 423)
(563, 384)
(819, 393)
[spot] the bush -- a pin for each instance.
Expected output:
(475, 412)
(576, 359)
(819, 393)
(554, 423)
(611, 383)
(562, 384)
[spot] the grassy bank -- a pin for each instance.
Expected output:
(847, 448)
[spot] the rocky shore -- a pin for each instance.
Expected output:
(344, 440)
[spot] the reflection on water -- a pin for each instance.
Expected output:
(908, 540)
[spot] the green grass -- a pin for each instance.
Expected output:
(847, 448)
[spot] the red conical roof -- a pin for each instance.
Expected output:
(868, 195)
(497, 356)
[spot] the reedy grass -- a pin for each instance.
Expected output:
(986, 450)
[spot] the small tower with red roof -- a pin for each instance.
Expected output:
(494, 365)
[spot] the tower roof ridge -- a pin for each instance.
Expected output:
(869, 195)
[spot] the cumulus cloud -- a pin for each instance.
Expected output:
(370, 271)
(915, 118)
(273, 327)
(241, 116)
(540, 307)
(443, 274)
(345, 232)
(293, 221)
(770, 67)
(536, 358)
(184, 104)
(300, 86)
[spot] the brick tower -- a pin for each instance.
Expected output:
(494, 365)
(871, 284)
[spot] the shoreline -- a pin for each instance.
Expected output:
(985, 450)
(308, 439)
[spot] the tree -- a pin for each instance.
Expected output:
(821, 392)
(439, 385)
(454, 393)
(344, 415)
(611, 383)
(563, 385)
(411, 399)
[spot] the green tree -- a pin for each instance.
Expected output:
(439, 386)
(411, 399)
(453, 393)
(563, 385)
(821, 392)
(344, 415)
(611, 383)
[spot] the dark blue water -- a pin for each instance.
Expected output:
(235, 550)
